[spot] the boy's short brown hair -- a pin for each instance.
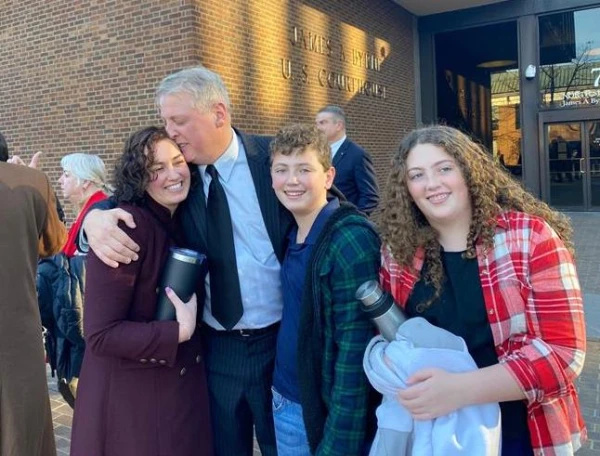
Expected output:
(297, 138)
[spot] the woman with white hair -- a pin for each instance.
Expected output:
(61, 278)
(83, 183)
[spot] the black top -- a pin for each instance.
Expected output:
(460, 309)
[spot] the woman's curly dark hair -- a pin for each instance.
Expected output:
(132, 171)
(493, 190)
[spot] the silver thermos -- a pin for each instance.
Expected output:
(381, 309)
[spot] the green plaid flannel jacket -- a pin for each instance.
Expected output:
(334, 332)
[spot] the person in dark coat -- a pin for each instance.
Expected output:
(60, 286)
(142, 389)
(29, 227)
(354, 172)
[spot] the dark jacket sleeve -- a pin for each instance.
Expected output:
(70, 318)
(46, 275)
(366, 183)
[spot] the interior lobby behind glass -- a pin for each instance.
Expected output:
(478, 88)
(570, 81)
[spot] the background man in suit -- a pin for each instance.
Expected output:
(239, 351)
(354, 172)
(29, 227)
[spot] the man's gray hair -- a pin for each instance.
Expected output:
(86, 167)
(204, 87)
(338, 112)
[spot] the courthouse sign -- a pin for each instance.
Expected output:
(319, 44)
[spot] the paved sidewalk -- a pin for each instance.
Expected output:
(589, 395)
(587, 241)
(62, 417)
(587, 244)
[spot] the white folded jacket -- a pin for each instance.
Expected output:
(472, 430)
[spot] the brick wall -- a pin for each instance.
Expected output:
(80, 76)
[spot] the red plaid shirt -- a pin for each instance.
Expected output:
(535, 310)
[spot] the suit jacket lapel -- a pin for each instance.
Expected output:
(269, 204)
(196, 202)
(340, 153)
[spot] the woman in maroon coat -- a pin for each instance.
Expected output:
(142, 390)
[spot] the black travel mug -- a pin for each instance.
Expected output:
(381, 309)
(181, 273)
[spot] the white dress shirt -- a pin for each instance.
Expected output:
(335, 146)
(258, 266)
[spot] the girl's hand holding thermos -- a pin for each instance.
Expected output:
(185, 314)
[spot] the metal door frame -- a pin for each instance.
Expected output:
(583, 116)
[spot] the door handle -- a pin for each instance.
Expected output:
(581, 165)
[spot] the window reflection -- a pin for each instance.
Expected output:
(570, 59)
(594, 166)
(565, 164)
(506, 120)
(478, 87)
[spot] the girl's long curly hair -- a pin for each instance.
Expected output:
(493, 190)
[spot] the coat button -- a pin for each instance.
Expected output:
(182, 371)
(162, 362)
(198, 359)
(153, 360)
(143, 360)
(491, 311)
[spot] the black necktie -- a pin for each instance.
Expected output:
(225, 295)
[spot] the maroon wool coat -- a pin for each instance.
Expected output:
(140, 393)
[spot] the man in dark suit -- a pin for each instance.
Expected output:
(194, 104)
(354, 172)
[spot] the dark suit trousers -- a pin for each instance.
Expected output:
(240, 373)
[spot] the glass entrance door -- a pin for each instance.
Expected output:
(593, 170)
(572, 152)
(564, 150)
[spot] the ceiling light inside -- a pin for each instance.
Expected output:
(497, 63)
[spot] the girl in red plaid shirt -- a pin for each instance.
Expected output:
(466, 247)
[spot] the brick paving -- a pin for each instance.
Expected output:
(588, 385)
(62, 417)
(587, 242)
